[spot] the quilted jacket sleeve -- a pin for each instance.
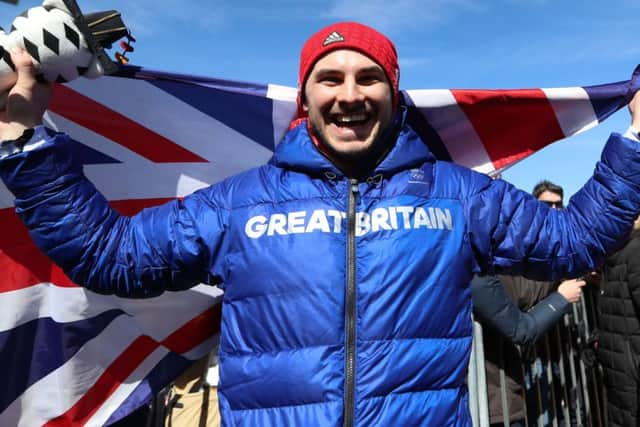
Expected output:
(492, 305)
(169, 247)
(511, 232)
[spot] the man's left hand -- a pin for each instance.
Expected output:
(27, 100)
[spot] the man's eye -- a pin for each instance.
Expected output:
(330, 80)
(369, 79)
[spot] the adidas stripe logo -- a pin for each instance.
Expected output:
(333, 38)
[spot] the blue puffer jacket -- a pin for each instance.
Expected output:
(346, 303)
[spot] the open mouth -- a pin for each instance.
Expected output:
(350, 120)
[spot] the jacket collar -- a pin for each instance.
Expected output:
(297, 152)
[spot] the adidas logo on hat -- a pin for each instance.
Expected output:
(333, 38)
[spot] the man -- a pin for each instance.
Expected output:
(619, 342)
(493, 305)
(506, 325)
(345, 260)
(498, 302)
(549, 193)
(515, 311)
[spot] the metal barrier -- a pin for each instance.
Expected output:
(562, 379)
(478, 400)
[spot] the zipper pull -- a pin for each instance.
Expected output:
(354, 186)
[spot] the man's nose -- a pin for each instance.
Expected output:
(350, 91)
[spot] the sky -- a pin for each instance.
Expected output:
(486, 44)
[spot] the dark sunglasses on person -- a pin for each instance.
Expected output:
(553, 204)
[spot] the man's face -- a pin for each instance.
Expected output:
(552, 199)
(349, 102)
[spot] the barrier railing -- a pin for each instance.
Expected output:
(562, 379)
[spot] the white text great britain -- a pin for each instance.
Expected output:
(330, 221)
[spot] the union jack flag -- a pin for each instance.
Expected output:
(69, 357)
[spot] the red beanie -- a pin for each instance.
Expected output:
(353, 36)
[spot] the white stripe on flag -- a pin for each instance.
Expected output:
(228, 151)
(136, 177)
(57, 392)
(64, 304)
(152, 108)
(47, 300)
(573, 109)
(54, 394)
(201, 350)
(6, 198)
(284, 109)
(457, 133)
(166, 115)
(114, 401)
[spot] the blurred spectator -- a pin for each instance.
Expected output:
(518, 316)
(619, 342)
(505, 325)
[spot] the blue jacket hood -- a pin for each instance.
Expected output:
(298, 152)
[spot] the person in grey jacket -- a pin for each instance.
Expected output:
(507, 324)
(493, 306)
(518, 311)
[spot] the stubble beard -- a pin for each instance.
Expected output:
(356, 163)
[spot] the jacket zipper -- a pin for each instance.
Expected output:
(350, 309)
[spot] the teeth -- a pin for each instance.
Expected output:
(352, 118)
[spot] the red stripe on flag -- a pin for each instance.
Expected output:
(195, 331)
(188, 336)
(117, 127)
(107, 384)
(21, 262)
(510, 123)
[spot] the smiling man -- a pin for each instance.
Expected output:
(349, 91)
(345, 260)
(349, 101)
